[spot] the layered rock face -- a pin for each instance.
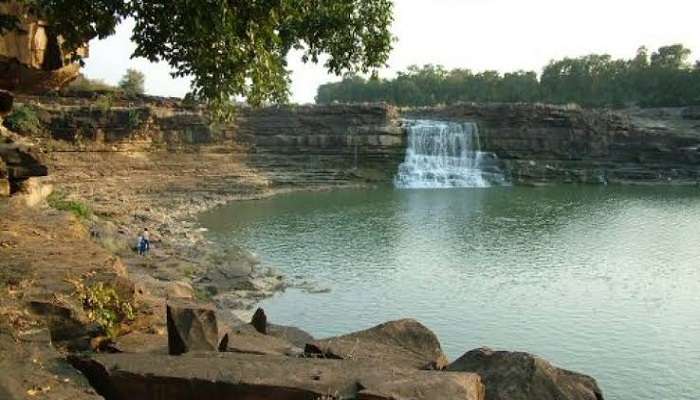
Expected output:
(17, 164)
(545, 143)
(354, 139)
(272, 147)
(31, 58)
(321, 146)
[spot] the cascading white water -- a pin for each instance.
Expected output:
(444, 155)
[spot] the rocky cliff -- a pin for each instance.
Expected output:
(276, 146)
(544, 143)
(314, 146)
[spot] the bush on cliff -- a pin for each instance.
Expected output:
(58, 201)
(23, 120)
(85, 84)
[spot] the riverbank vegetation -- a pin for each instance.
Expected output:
(662, 78)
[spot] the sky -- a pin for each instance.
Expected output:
(504, 35)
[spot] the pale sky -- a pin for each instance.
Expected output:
(504, 35)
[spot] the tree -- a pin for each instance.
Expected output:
(665, 78)
(234, 47)
(132, 82)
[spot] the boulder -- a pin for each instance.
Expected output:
(259, 321)
(219, 376)
(296, 336)
(404, 343)
(191, 327)
(179, 290)
(67, 323)
(522, 376)
(33, 58)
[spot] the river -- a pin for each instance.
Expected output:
(601, 280)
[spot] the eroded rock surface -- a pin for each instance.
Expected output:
(522, 376)
(404, 343)
(243, 376)
(191, 327)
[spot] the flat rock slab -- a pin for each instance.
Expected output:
(522, 376)
(138, 342)
(404, 343)
(223, 376)
(246, 339)
(294, 335)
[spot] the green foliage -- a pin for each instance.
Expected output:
(202, 294)
(236, 48)
(132, 83)
(104, 306)
(105, 102)
(134, 118)
(663, 79)
(84, 84)
(59, 202)
(23, 120)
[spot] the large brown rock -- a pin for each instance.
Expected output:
(259, 321)
(32, 58)
(404, 343)
(219, 376)
(67, 323)
(522, 376)
(191, 327)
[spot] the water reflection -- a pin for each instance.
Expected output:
(602, 280)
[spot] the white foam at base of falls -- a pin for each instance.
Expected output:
(442, 154)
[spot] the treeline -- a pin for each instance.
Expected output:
(664, 78)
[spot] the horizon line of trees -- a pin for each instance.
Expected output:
(664, 78)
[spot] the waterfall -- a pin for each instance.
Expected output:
(446, 155)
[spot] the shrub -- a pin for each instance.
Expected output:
(84, 84)
(132, 82)
(23, 120)
(58, 201)
(104, 306)
(105, 102)
(134, 118)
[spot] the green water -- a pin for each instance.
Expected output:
(602, 280)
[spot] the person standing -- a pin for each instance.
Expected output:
(146, 239)
(139, 245)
